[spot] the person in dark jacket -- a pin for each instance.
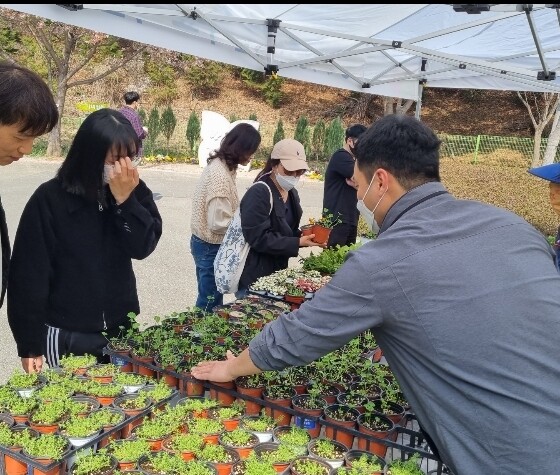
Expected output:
(274, 235)
(339, 194)
(27, 111)
(71, 283)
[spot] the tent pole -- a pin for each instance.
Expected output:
(537, 41)
(419, 99)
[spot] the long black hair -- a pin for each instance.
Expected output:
(81, 173)
(237, 145)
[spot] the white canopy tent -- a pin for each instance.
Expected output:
(378, 48)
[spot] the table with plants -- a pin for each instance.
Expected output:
(355, 400)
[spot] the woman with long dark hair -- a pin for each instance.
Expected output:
(214, 203)
(71, 283)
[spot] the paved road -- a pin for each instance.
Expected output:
(166, 279)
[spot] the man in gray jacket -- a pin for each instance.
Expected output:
(463, 298)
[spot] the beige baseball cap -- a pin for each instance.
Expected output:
(291, 154)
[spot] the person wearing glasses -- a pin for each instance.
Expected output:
(71, 283)
(273, 234)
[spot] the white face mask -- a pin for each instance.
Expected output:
(369, 216)
(107, 172)
(287, 182)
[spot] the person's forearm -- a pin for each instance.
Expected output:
(242, 365)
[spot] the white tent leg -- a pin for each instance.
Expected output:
(419, 100)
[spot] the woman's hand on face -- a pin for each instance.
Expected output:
(125, 178)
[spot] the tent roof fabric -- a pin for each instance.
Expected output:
(377, 48)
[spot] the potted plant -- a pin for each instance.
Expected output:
(261, 425)
(209, 429)
(230, 415)
(104, 393)
(154, 431)
(406, 467)
(359, 462)
(198, 406)
(353, 398)
(82, 406)
(279, 455)
(241, 440)
(102, 373)
(133, 405)
(340, 417)
(322, 228)
(159, 393)
(219, 457)
(293, 436)
(305, 465)
(13, 439)
(47, 417)
(81, 430)
(77, 364)
(312, 405)
(93, 464)
(156, 463)
(109, 417)
(378, 426)
(131, 382)
(127, 452)
(47, 449)
(20, 408)
(187, 445)
(253, 466)
(327, 450)
(294, 295)
(278, 392)
(251, 386)
(52, 392)
(327, 391)
(25, 383)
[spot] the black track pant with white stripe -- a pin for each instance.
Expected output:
(62, 342)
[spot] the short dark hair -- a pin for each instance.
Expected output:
(239, 143)
(402, 145)
(130, 97)
(26, 99)
(354, 131)
(81, 173)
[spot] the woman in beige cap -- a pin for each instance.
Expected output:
(274, 235)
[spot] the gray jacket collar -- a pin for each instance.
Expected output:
(409, 198)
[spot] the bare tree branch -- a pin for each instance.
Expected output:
(106, 73)
(86, 60)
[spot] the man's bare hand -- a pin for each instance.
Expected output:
(217, 371)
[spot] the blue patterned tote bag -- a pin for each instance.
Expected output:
(232, 254)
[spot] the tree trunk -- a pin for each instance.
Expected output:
(403, 107)
(553, 140)
(54, 147)
(396, 105)
(388, 103)
(537, 147)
